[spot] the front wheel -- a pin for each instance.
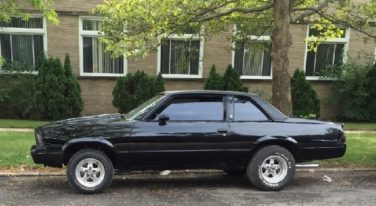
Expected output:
(271, 168)
(90, 171)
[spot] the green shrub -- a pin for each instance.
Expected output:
(355, 91)
(72, 91)
(49, 90)
(134, 89)
(305, 102)
(230, 80)
(16, 94)
(214, 81)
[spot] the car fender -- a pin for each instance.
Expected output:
(89, 140)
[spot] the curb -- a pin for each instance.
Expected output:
(43, 174)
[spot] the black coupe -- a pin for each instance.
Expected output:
(236, 132)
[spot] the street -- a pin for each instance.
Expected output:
(347, 187)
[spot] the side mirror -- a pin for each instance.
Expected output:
(162, 119)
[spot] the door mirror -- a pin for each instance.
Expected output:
(162, 119)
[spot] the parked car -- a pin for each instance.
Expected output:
(236, 132)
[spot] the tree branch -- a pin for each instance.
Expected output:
(342, 22)
(239, 10)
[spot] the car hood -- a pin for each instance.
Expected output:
(86, 120)
(94, 126)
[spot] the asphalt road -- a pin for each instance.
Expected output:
(195, 188)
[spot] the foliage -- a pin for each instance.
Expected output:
(214, 81)
(230, 80)
(9, 8)
(304, 98)
(16, 94)
(134, 89)
(72, 91)
(48, 98)
(355, 90)
(128, 30)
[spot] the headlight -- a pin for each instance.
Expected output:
(38, 139)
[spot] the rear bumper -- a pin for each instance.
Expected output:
(318, 153)
(41, 155)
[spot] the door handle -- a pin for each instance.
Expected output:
(222, 130)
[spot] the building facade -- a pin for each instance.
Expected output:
(183, 60)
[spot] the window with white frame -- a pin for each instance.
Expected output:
(23, 43)
(94, 60)
(252, 58)
(181, 56)
(328, 55)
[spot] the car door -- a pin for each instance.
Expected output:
(247, 124)
(193, 136)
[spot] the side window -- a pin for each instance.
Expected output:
(205, 108)
(245, 110)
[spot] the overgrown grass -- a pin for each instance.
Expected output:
(360, 126)
(361, 150)
(17, 123)
(15, 148)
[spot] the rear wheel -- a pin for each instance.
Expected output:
(90, 171)
(271, 168)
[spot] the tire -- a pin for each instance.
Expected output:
(263, 169)
(90, 171)
(235, 172)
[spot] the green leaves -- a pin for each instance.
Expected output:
(230, 80)
(304, 98)
(57, 92)
(134, 89)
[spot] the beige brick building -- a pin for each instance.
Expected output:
(97, 72)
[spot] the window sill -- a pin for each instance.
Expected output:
(100, 75)
(178, 76)
(256, 77)
(18, 72)
(316, 78)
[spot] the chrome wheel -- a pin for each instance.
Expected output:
(90, 172)
(273, 169)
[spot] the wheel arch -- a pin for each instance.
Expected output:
(73, 146)
(286, 142)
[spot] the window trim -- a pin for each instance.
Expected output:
(28, 31)
(263, 38)
(81, 34)
(200, 58)
(345, 40)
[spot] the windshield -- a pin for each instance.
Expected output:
(139, 112)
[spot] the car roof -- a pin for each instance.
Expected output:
(207, 92)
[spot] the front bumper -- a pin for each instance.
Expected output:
(41, 155)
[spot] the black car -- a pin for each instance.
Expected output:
(236, 132)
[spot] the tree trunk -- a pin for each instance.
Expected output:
(281, 42)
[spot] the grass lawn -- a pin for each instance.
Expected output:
(360, 126)
(15, 149)
(361, 151)
(18, 123)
